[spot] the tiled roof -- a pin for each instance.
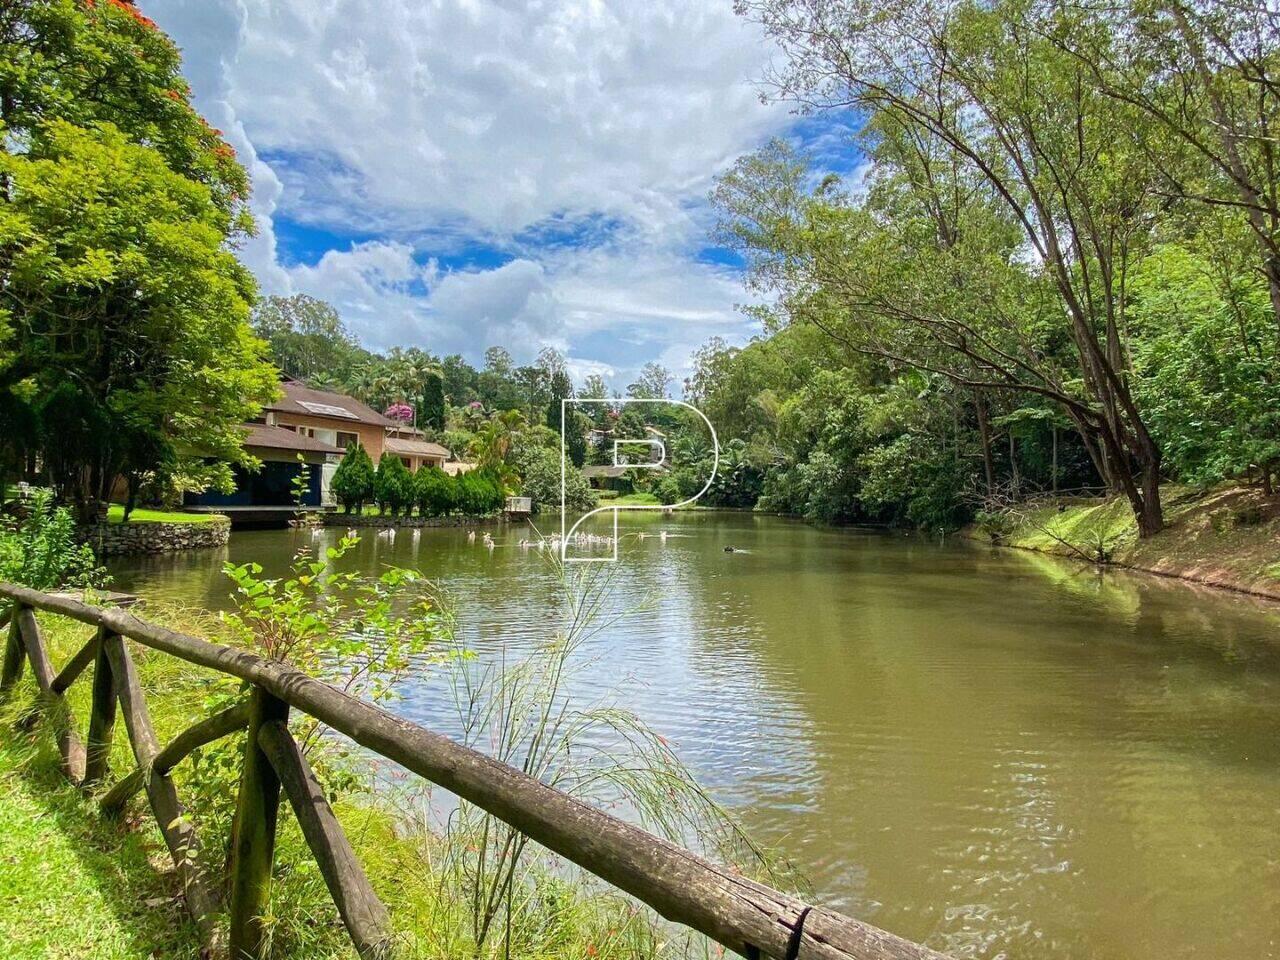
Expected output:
(278, 438)
(408, 447)
(300, 399)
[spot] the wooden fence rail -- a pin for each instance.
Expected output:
(747, 917)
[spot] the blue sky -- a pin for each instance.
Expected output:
(458, 173)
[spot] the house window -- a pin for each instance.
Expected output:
(346, 439)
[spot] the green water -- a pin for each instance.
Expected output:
(996, 753)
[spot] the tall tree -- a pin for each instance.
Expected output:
(134, 312)
(653, 383)
(985, 90)
(307, 338)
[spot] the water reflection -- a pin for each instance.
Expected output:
(997, 752)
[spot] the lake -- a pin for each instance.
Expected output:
(992, 751)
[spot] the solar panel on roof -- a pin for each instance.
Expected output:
(328, 410)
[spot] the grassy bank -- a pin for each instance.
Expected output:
(1227, 537)
(115, 514)
(75, 885)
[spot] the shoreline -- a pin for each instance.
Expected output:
(1226, 539)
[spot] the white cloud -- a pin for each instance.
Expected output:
(437, 125)
(490, 117)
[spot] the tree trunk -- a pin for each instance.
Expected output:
(1013, 466)
(984, 432)
(1053, 471)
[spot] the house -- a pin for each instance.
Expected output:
(332, 418)
(414, 450)
(274, 485)
(317, 425)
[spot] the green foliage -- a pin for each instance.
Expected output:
(300, 485)
(307, 338)
(118, 218)
(353, 481)
(433, 408)
(540, 472)
(356, 632)
(41, 550)
(393, 485)
(127, 262)
(435, 492)
(479, 493)
(1207, 364)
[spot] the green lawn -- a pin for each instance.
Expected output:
(635, 499)
(73, 885)
(143, 515)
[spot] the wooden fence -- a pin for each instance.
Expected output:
(746, 917)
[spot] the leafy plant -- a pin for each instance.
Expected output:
(42, 552)
(358, 633)
(353, 481)
(393, 485)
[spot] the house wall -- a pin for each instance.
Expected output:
(371, 436)
(271, 486)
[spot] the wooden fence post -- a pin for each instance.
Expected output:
(14, 654)
(179, 835)
(363, 913)
(102, 715)
(253, 834)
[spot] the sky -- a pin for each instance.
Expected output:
(453, 174)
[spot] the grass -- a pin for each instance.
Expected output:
(74, 885)
(1228, 536)
(115, 514)
(636, 499)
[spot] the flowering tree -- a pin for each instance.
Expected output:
(399, 411)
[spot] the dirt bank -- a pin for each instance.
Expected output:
(1227, 537)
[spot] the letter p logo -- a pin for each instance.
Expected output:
(648, 453)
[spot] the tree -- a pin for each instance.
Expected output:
(393, 486)
(307, 338)
(576, 424)
(435, 492)
(122, 290)
(1208, 75)
(653, 383)
(94, 63)
(540, 481)
(433, 403)
(977, 105)
(353, 481)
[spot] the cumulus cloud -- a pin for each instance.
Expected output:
(577, 138)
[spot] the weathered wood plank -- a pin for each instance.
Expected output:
(15, 657)
(195, 736)
(179, 834)
(102, 715)
(54, 706)
(85, 656)
(743, 915)
(253, 833)
(363, 913)
(34, 643)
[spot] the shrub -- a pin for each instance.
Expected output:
(41, 551)
(354, 479)
(393, 485)
(540, 469)
(667, 489)
(435, 492)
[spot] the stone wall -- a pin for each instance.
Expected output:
(337, 519)
(113, 539)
